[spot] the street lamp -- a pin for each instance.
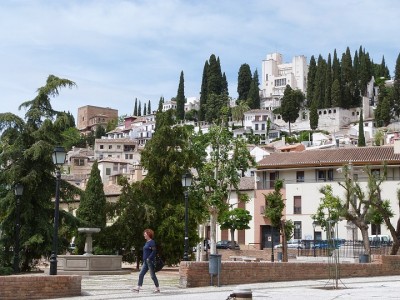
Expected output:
(186, 183)
(58, 159)
(314, 224)
(18, 190)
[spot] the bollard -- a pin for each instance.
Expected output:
(240, 293)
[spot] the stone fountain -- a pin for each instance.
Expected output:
(88, 263)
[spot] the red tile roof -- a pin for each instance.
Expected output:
(331, 157)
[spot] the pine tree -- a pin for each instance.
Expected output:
(361, 136)
(244, 82)
(135, 110)
(180, 99)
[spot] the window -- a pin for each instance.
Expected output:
(297, 230)
(297, 205)
(272, 177)
(321, 175)
(375, 229)
(109, 146)
(118, 146)
(108, 171)
(262, 126)
(330, 174)
(300, 176)
(79, 162)
(376, 173)
(256, 127)
(101, 146)
(115, 167)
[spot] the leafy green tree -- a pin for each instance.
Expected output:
(26, 148)
(112, 124)
(235, 219)
(291, 104)
(72, 137)
(274, 206)
(361, 136)
(215, 105)
(166, 158)
(180, 99)
(221, 173)
(244, 82)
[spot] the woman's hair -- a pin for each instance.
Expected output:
(150, 233)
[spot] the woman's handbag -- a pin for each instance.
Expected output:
(158, 263)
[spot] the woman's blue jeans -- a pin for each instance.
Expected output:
(148, 266)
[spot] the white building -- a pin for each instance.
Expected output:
(304, 173)
(276, 75)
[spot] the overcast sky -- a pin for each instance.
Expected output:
(117, 50)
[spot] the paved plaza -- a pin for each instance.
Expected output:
(110, 287)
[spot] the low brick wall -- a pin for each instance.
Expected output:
(196, 274)
(39, 286)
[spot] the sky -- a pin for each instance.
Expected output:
(117, 51)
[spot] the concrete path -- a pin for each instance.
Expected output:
(112, 287)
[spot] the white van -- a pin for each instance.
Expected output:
(380, 239)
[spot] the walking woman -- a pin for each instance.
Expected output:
(149, 253)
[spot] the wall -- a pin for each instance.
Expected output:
(196, 274)
(39, 286)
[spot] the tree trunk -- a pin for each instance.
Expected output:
(364, 234)
(213, 229)
(284, 244)
(233, 238)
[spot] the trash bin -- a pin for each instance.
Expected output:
(363, 258)
(214, 264)
(280, 256)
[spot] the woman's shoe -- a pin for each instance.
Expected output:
(156, 291)
(135, 290)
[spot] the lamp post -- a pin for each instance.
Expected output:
(186, 183)
(19, 189)
(58, 159)
(314, 224)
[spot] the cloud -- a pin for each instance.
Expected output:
(119, 50)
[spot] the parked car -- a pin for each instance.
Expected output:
(228, 245)
(292, 244)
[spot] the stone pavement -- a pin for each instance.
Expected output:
(113, 287)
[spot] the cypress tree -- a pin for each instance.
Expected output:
(160, 104)
(361, 137)
(314, 116)
(224, 85)
(139, 109)
(396, 87)
(204, 93)
(336, 94)
(149, 108)
(336, 76)
(214, 76)
(135, 109)
(254, 92)
(92, 207)
(328, 82)
(347, 79)
(244, 82)
(312, 70)
(144, 109)
(319, 83)
(180, 99)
